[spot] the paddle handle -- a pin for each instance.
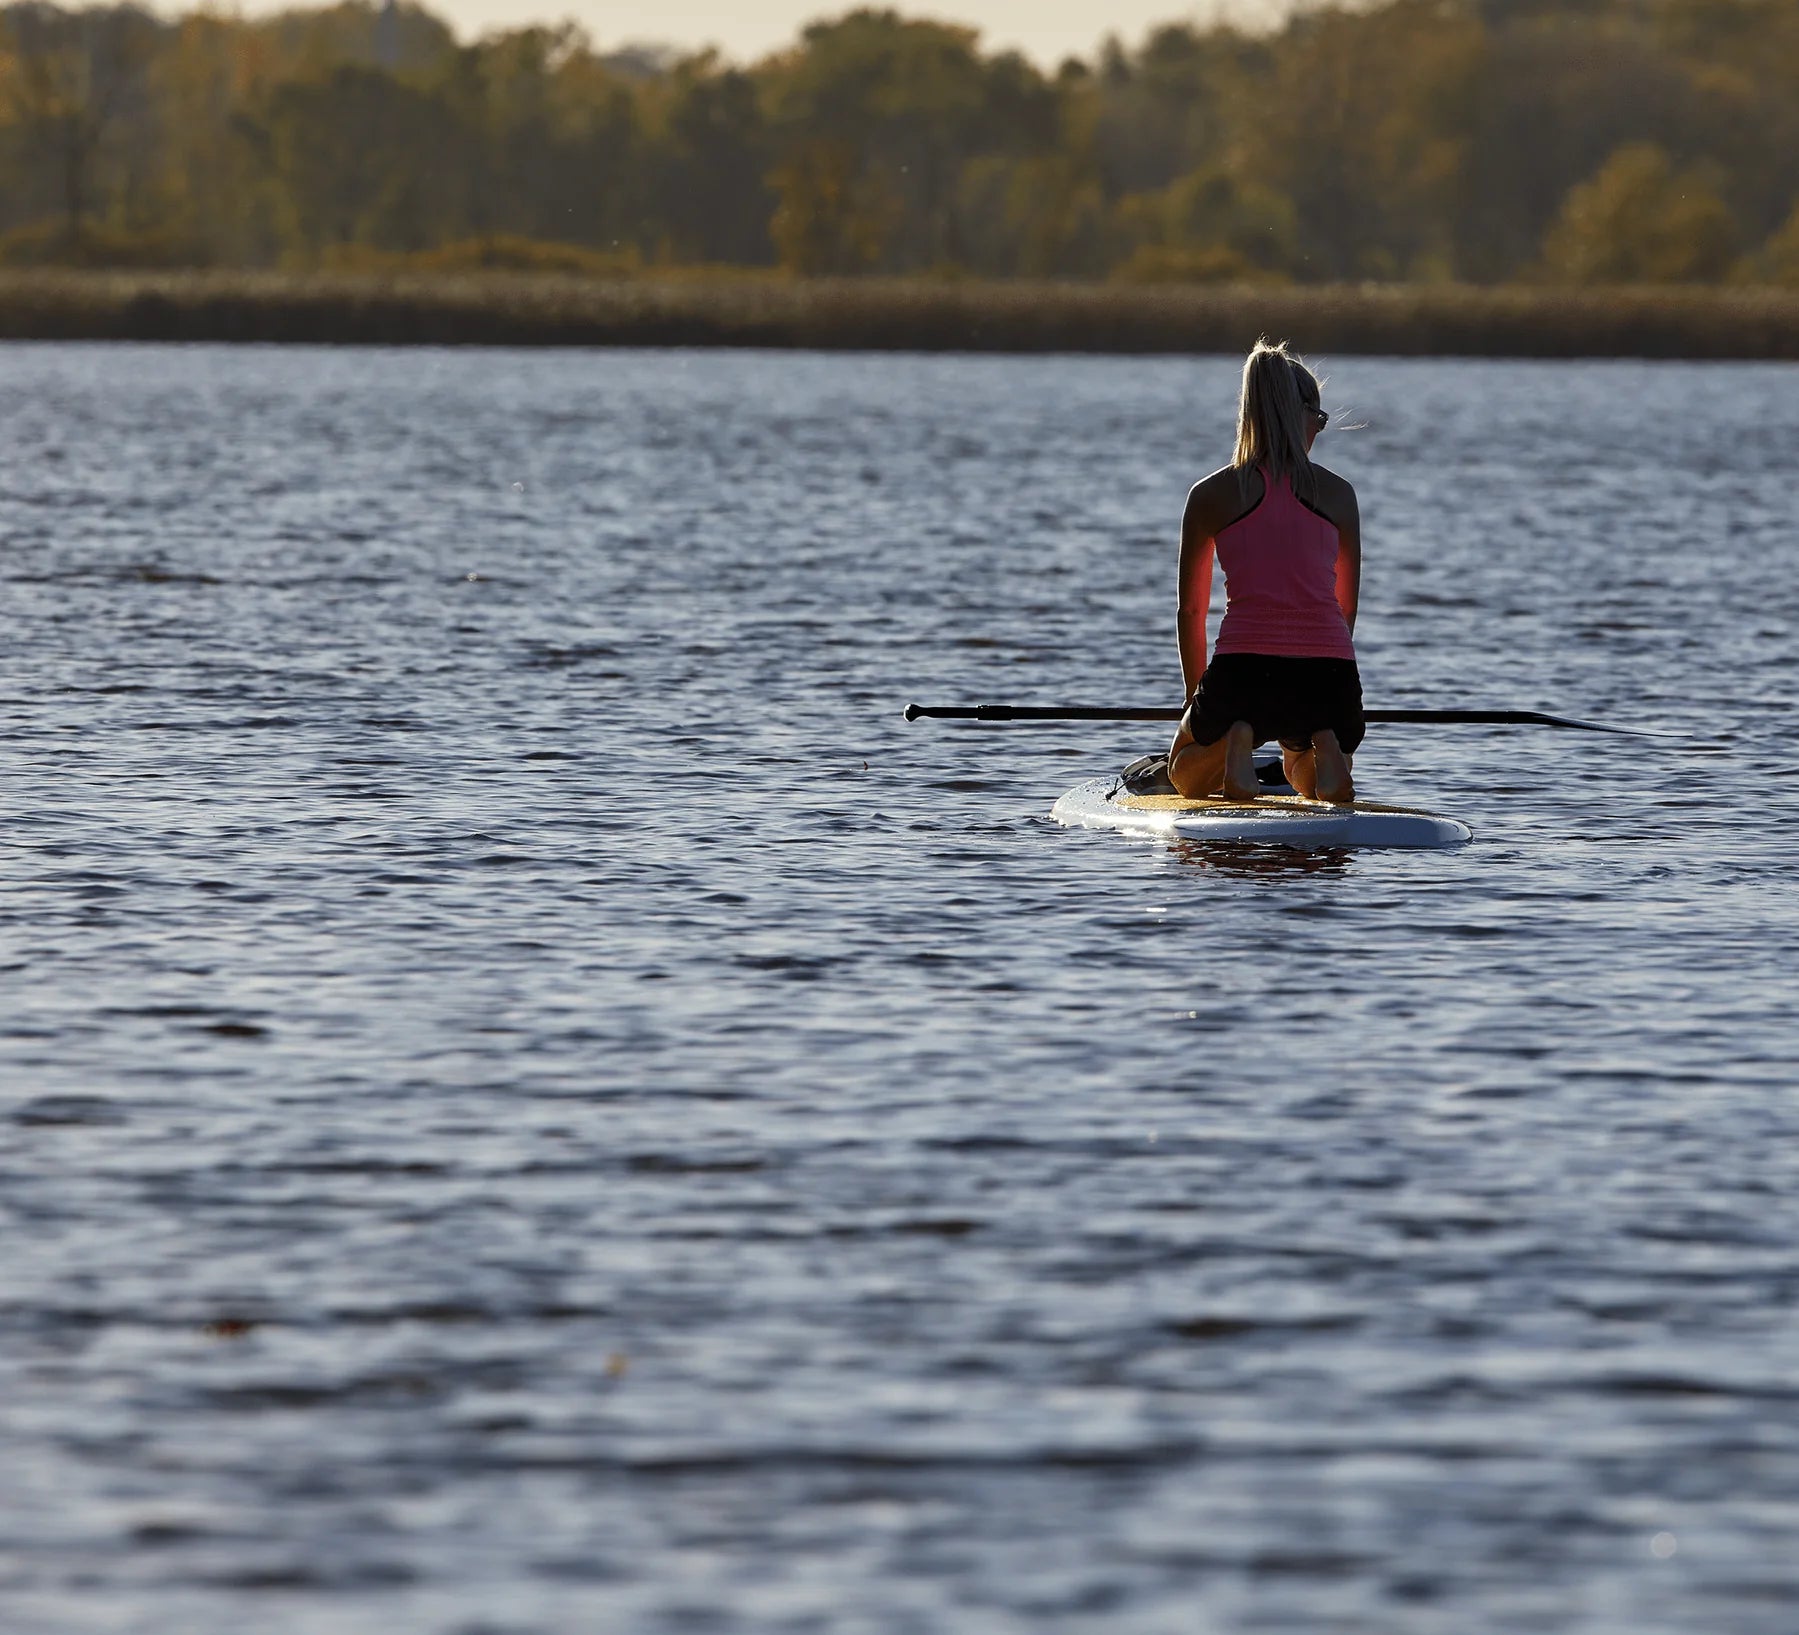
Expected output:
(1091, 712)
(1036, 712)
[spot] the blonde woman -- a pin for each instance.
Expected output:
(1288, 536)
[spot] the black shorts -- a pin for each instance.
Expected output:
(1284, 698)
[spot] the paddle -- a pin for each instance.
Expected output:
(1089, 712)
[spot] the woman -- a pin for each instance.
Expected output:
(1288, 536)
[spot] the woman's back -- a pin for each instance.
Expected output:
(1280, 577)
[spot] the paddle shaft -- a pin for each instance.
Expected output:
(1089, 712)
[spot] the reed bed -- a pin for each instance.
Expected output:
(511, 309)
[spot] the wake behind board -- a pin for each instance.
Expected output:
(1270, 820)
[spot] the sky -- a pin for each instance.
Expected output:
(1045, 30)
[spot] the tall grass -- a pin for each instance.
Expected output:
(484, 307)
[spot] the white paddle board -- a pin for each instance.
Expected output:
(1270, 820)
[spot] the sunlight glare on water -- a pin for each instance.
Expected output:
(536, 1102)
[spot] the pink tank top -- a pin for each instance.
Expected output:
(1280, 581)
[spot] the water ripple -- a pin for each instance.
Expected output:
(535, 1102)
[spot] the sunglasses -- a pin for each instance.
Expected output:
(1323, 415)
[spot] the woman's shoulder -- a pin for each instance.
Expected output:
(1335, 495)
(1329, 481)
(1220, 498)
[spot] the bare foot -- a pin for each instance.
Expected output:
(1331, 769)
(1301, 774)
(1194, 769)
(1240, 780)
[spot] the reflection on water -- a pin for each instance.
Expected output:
(1237, 859)
(535, 1101)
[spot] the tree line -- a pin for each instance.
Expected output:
(1574, 141)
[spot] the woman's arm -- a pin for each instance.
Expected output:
(1349, 557)
(1195, 590)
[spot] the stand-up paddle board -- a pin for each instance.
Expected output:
(1269, 820)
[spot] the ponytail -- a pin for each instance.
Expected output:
(1277, 388)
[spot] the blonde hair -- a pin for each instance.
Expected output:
(1277, 389)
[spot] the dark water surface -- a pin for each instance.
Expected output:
(534, 1102)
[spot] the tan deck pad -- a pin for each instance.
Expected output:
(1271, 804)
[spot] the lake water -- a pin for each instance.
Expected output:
(533, 1101)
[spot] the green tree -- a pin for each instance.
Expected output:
(360, 159)
(1213, 224)
(709, 158)
(76, 86)
(1039, 217)
(877, 114)
(1180, 104)
(544, 140)
(1641, 220)
(1362, 126)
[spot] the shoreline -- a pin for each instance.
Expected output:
(885, 314)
